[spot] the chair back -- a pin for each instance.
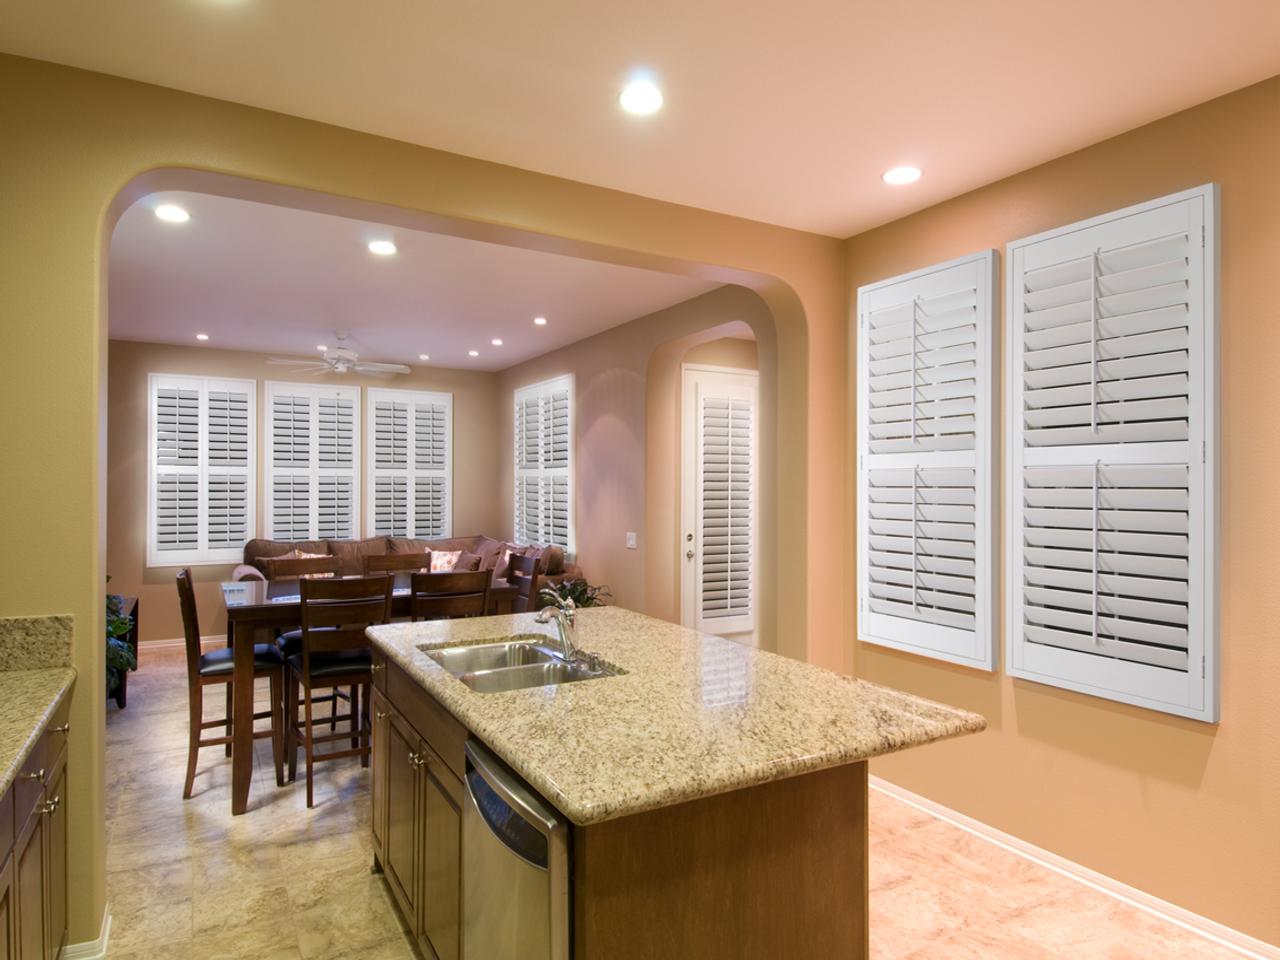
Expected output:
(297, 568)
(190, 621)
(335, 613)
(439, 596)
(524, 577)
(396, 562)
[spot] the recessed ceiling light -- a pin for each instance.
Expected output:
(641, 97)
(202, 336)
(172, 213)
(322, 348)
(496, 342)
(899, 176)
(540, 321)
(383, 248)
(473, 353)
(423, 356)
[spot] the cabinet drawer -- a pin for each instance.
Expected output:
(433, 722)
(379, 670)
(28, 786)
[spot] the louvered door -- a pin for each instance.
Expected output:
(409, 463)
(201, 502)
(719, 509)
(543, 433)
(1113, 462)
(925, 461)
(313, 440)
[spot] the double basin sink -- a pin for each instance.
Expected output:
(516, 663)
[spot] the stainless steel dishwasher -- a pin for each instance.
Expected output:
(515, 867)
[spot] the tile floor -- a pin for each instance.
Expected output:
(187, 880)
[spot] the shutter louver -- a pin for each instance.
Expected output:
(726, 508)
(409, 469)
(543, 436)
(337, 432)
(336, 508)
(925, 461)
(291, 507)
(1113, 532)
(201, 469)
(291, 431)
(311, 476)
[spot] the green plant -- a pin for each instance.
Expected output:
(583, 594)
(120, 656)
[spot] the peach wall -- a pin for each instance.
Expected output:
(475, 465)
(1181, 809)
(613, 380)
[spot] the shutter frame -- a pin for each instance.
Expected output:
(946, 619)
(543, 456)
(201, 469)
(409, 463)
(1099, 667)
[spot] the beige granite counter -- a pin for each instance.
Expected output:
(694, 715)
(28, 698)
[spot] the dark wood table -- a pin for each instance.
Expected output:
(254, 605)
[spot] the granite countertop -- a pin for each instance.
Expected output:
(28, 698)
(694, 715)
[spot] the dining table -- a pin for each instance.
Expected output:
(276, 605)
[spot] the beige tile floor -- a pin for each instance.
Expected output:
(187, 880)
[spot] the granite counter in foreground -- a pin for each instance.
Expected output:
(693, 716)
(28, 699)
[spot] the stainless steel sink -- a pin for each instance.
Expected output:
(519, 651)
(523, 661)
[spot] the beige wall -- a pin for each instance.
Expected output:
(615, 438)
(736, 352)
(1184, 810)
(475, 465)
(80, 146)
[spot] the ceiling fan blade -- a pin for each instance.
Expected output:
(364, 366)
(290, 362)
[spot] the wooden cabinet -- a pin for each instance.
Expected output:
(33, 851)
(416, 818)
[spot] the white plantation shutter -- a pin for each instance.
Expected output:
(200, 504)
(543, 436)
(726, 446)
(1112, 480)
(410, 463)
(312, 460)
(926, 461)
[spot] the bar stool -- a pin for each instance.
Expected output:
(216, 666)
(437, 596)
(524, 575)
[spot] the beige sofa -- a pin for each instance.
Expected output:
(351, 553)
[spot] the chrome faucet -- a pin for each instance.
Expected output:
(564, 612)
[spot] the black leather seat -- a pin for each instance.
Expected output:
(216, 663)
(289, 643)
(325, 665)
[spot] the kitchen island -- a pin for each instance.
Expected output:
(713, 796)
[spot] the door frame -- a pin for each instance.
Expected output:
(691, 376)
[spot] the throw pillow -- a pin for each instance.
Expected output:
(467, 562)
(442, 561)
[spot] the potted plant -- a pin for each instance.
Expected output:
(120, 657)
(583, 594)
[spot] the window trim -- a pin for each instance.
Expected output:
(411, 472)
(539, 389)
(203, 555)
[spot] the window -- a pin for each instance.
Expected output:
(1113, 456)
(312, 477)
(201, 473)
(926, 462)
(410, 463)
(544, 463)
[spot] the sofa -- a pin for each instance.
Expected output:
(351, 553)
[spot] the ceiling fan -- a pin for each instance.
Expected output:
(340, 359)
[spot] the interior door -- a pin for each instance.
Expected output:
(719, 471)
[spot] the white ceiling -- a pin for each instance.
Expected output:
(781, 112)
(278, 280)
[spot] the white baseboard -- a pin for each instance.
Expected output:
(94, 949)
(1211, 930)
(212, 640)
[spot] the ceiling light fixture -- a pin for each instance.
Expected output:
(540, 321)
(322, 348)
(423, 356)
(641, 97)
(383, 248)
(496, 342)
(172, 213)
(202, 336)
(900, 176)
(473, 353)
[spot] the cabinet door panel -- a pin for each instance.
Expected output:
(57, 865)
(441, 911)
(400, 864)
(381, 722)
(7, 913)
(28, 882)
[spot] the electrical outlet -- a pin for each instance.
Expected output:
(631, 541)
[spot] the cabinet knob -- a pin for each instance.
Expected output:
(65, 728)
(376, 667)
(38, 775)
(381, 714)
(52, 805)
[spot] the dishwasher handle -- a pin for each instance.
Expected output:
(516, 816)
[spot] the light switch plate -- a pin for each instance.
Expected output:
(631, 541)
